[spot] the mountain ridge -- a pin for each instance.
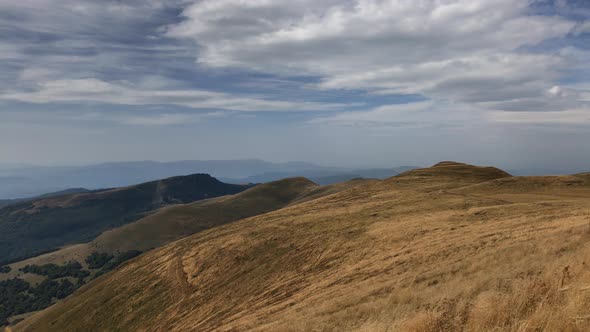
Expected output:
(21, 181)
(32, 227)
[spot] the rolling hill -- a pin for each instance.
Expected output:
(32, 227)
(453, 247)
(174, 222)
(113, 247)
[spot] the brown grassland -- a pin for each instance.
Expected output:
(453, 247)
(175, 222)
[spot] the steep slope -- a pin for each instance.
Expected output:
(33, 227)
(431, 250)
(164, 226)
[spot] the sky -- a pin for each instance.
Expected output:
(343, 83)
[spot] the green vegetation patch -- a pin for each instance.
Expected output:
(98, 260)
(5, 269)
(18, 296)
(125, 256)
(53, 271)
(108, 262)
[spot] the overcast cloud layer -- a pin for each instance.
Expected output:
(338, 82)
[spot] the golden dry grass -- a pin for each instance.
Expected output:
(449, 248)
(178, 221)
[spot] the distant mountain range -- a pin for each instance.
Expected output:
(18, 181)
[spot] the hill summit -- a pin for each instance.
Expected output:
(459, 170)
(448, 174)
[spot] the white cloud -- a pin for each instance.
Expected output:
(570, 117)
(467, 51)
(471, 54)
(8, 51)
(391, 114)
(583, 27)
(94, 90)
(165, 119)
(412, 115)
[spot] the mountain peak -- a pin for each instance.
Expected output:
(449, 163)
(449, 174)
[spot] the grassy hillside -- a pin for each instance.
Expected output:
(164, 226)
(176, 222)
(32, 227)
(449, 248)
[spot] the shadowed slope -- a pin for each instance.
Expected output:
(412, 253)
(33, 227)
(71, 191)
